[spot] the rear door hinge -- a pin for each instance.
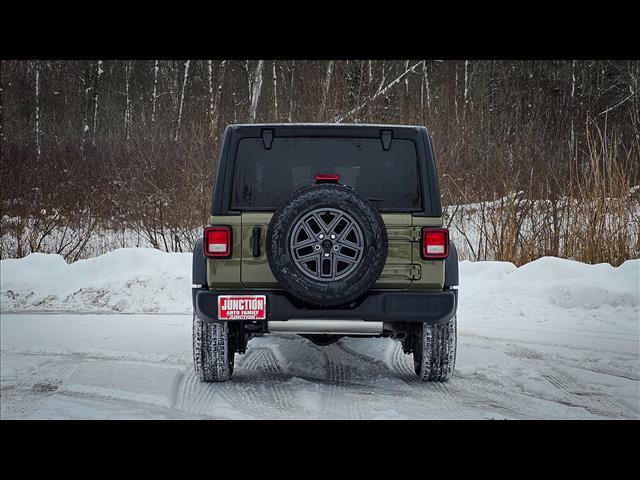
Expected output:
(267, 138)
(385, 136)
(416, 234)
(416, 272)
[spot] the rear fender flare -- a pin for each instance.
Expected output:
(451, 267)
(199, 267)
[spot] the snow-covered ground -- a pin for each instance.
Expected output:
(136, 280)
(551, 339)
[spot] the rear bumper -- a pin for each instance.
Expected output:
(376, 306)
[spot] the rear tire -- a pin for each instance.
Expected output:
(434, 351)
(213, 355)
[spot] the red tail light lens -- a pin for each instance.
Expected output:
(435, 243)
(217, 242)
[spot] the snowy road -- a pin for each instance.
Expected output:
(551, 339)
(139, 366)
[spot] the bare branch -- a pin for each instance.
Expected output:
(379, 93)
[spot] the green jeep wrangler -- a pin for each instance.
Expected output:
(325, 231)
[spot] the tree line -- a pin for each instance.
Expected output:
(93, 144)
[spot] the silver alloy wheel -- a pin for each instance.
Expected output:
(326, 244)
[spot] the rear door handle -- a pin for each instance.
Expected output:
(255, 241)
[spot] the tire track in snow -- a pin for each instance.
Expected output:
(38, 385)
(449, 396)
(334, 405)
(50, 376)
(440, 391)
(351, 374)
(612, 372)
(168, 412)
(197, 397)
(459, 393)
(572, 394)
(576, 348)
(194, 396)
(504, 399)
(575, 395)
(254, 389)
(264, 360)
(241, 390)
(245, 392)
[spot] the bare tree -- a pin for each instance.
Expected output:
(255, 90)
(327, 85)
(455, 90)
(37, 131)
(424, 78)
(466, 81)
(292, 72)
(210, 78)
(184, 86)
(85, 120)
(99, 72)
(221, 73)
(406, 79)
(572, 144)
(1, 114)
(127, 111)
(155, 92)
(275, 91)
(426, 86)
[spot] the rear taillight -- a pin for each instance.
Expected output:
(217, 241)
(435, 243)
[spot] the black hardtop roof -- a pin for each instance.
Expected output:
(323, 128)
(234, 133)
(321, 124)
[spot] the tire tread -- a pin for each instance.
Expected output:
(212, 359)
(435, 352)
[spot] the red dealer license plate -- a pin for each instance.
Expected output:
(242, 307)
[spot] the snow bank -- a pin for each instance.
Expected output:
(565, 283)
(549, 294)
(124, 280)
(144, 280)
(571, 284)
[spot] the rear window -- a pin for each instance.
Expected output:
(264, 178)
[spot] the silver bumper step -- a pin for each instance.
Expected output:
(335, 327)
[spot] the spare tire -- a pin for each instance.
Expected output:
(326, 245)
